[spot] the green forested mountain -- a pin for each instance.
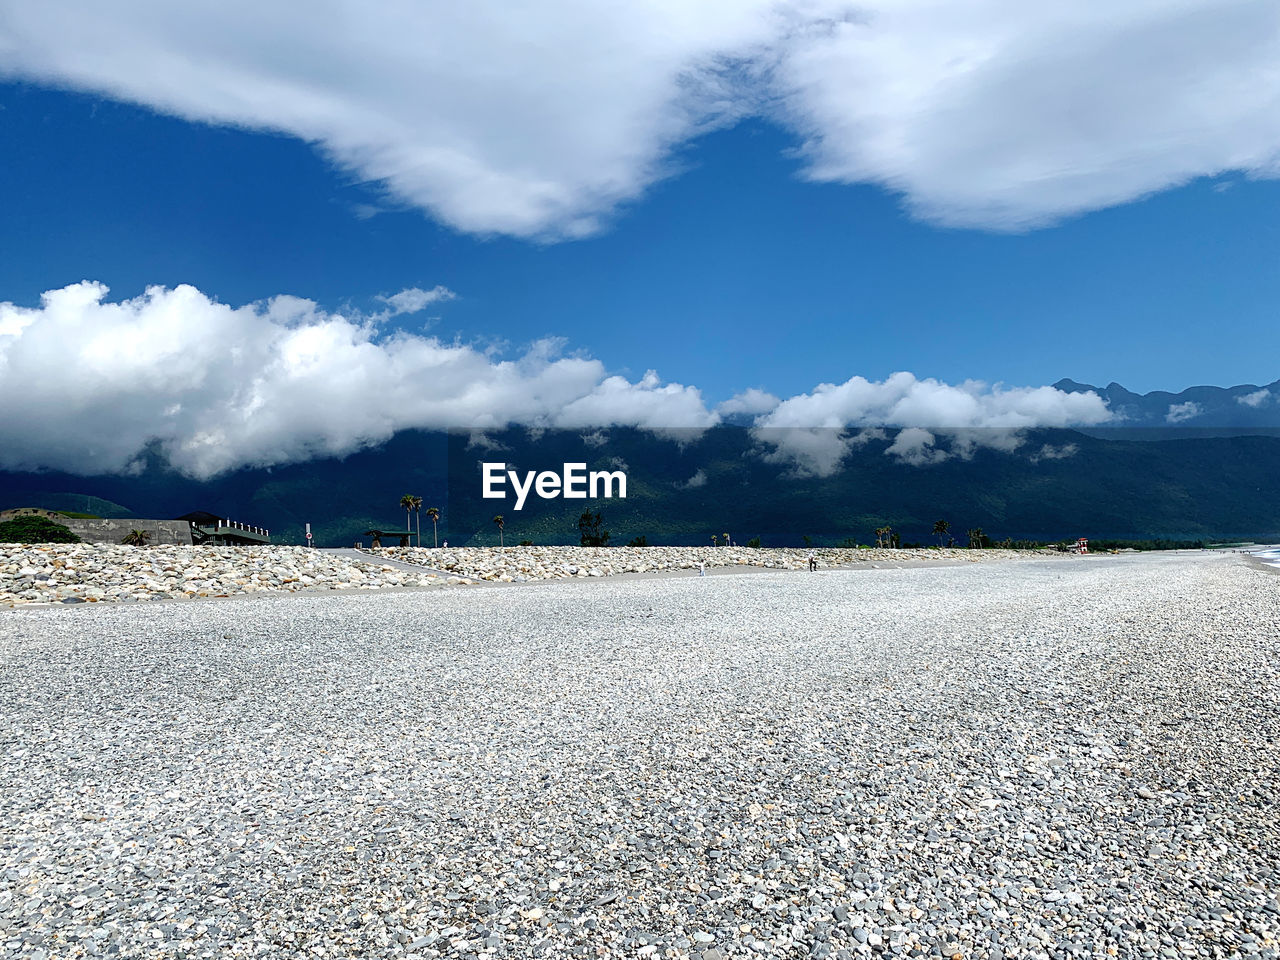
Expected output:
(685, 489)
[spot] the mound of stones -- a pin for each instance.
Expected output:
(519, 564)
(97, 572)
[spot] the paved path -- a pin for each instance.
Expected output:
(359, 556)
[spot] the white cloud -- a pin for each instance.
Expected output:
(919, 447)
(902, 400)
(88, 385)
(699, 479)
(480, 440)
(414, 299)
(1180, 412)
(541, 120)
(1059, 452)
(915, 446)
(810, 429)
(751, 401)
(647, 403)
(811, 451)
(525, 119)
(806, 451)
(999, 114)
(1255, 399)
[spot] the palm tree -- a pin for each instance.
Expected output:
(498, 521)
(884, 536)
(975, 538)
(137, 538)
(406, 504)
(940, 529)
(433, 513)
(417, 519)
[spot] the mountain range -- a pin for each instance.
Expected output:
(1213, 473)
(1239, 407)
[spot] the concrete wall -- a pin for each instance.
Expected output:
(113, 531)
(171, 532)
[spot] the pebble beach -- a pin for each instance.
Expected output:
(1047, 758)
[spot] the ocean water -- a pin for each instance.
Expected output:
(1269, 555)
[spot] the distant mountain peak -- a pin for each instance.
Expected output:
(1113, 390)
(1067, 385)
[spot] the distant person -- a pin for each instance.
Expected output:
(702, 568)
(446, 543)
(813, 561)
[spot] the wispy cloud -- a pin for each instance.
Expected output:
(1182, 412)
(413, 300)
(699, 479)
(1051, 451)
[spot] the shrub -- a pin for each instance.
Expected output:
(591, 528)
(33, 529)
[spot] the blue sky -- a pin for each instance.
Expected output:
(734, 273)
(739, 196)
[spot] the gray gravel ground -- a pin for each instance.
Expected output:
(1037, 759)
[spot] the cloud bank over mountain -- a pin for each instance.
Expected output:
(542, 120)
(811, 430)
(89, 385)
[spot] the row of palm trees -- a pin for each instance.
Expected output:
(887, 537)
(413, 505)
(977, 538)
